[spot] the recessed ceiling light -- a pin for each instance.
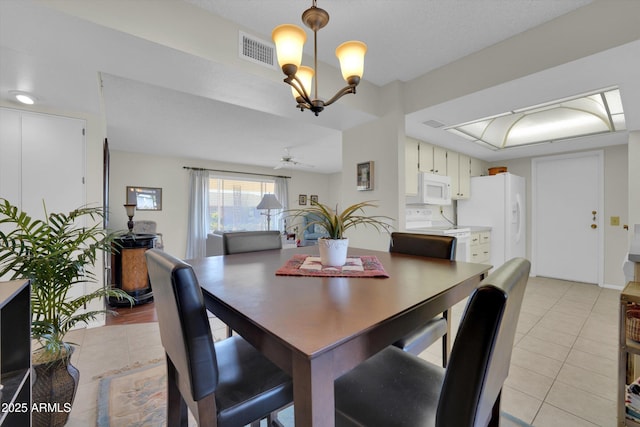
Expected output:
(23, 97)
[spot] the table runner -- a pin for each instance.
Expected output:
(308, 265)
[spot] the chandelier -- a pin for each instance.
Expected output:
(289, 40)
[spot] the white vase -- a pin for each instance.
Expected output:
(333, 252)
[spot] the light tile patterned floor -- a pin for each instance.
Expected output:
(563, 370)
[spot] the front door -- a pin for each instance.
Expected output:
(567, 203)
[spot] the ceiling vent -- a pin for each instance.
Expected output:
(434, 123)
(256, 50)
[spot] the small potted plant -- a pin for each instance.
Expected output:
(333, 249)
(54, 254)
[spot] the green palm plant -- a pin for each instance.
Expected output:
(336, 223)
(55, 254)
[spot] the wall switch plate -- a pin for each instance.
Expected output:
(615, 220)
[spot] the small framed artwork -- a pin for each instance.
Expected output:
(302, 200)
(145, 198)
(365, 176)
(313, 198)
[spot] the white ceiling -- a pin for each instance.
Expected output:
(162, 97)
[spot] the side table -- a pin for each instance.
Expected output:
(129, 268)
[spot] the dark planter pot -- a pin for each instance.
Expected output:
(54, 389)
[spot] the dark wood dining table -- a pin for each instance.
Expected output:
(317, 328)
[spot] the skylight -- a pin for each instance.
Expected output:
(588, 114)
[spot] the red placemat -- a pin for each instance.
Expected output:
(308, 265)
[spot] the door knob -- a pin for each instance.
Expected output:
(594, 226)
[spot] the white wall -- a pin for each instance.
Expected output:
(616, 189)
(133, 169)
(378, 141)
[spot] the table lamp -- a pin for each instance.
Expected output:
(131, 210)
(269, 202)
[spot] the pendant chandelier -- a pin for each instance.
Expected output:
(289, 40)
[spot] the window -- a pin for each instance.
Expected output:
(233, 201)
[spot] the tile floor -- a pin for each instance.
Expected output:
(563, 370)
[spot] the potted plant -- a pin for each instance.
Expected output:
(54, 254)
(333, 249)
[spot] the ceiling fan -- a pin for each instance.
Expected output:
(288, 161)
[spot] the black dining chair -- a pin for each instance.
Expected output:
(236, 242)
(433, 246)
(396, 388)
(227, 383)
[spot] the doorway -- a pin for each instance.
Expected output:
(567, 211)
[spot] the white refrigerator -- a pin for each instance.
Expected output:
(498, 201)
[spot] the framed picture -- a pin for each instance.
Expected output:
(302, 199)
(365, 176)
(145, 198)
(313, 198)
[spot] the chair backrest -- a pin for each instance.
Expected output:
(423, 245)
(184, 327)
(144, 227)
(481, 353)
(251, 241)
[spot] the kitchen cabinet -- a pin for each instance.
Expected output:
(478, 167)
(423, 157)
(459, 169)
(15, 348)
(481, 247)
(433, 159)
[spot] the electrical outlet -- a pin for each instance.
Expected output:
(615, 220)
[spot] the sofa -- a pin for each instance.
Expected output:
(312, 232)
(225, 243)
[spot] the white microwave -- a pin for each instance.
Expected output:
(432, 190)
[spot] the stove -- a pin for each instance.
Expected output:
(418, 220)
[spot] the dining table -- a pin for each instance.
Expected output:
(318, 327)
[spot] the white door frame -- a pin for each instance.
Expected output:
(599, 154)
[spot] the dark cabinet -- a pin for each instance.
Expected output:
(129, 268)
(15, 353)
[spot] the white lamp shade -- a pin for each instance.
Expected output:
(351, 56)
(289, 40)
(130, 208)
(269, 201)
(305, 74)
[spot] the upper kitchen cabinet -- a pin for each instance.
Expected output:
(459, 169)
(433, 159)
(423, 157)
(478, 167)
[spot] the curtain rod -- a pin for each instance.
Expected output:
(228, 171)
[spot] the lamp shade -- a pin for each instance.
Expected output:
(131, 209)
(351, 56)
(305, 74)
(269, 201)
(289, 40)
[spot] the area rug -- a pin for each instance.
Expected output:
(137, 398)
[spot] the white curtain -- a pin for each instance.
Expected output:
(198, 226)
(282, 194)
